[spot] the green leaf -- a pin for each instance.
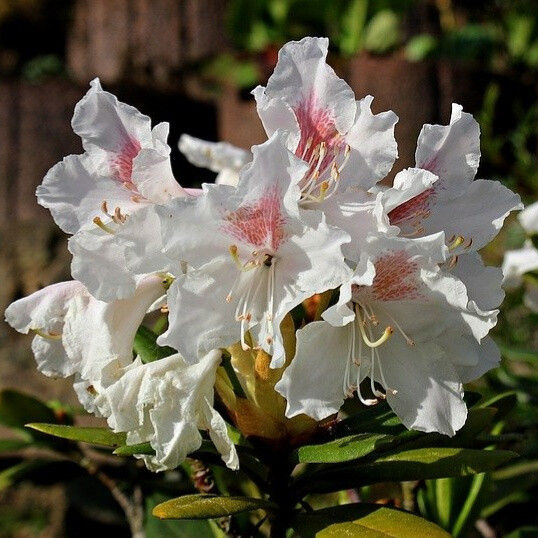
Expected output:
(519, 354)
(131, 450)
(523, 532)
(95, 436)
(420, 47)
(16, 473)
(209, 506)
(364, 521)
(403, 466)
(17, 409)
(502, 403)
(340, 450)
(383, 32)
(146, 347)
(10, 445)
(353, 22)
(158, 528)
(376, 419)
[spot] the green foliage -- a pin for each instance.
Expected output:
(146, 347)
(95, 436)
(345, 449)
(209, 506)
(159, 528)
(17, 409)
(365, 521)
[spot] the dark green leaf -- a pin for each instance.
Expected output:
(340, 450)
(364, 521)
(503, 403)
(376, 419)
(408, 465)
(523, 532)
(510, 485)
(95, 436)
(17, 409)
(146, 347)
(208, 506)
(9, 445)
(131, 450)
(18, 472)
(519, 354)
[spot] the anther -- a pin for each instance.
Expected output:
(98, 222)
(458, 241)
(468, 244)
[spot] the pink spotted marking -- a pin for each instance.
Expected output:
(414, 209)
(316, 125)
(260, 224)
(395, 280)
(121, 163)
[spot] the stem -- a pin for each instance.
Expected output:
(279, 481)
(134, 511)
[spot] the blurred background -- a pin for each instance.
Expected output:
(193, 63)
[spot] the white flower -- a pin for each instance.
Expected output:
(440, 194)
(524, 260)
(166, 403)
(255, 254)
(219, 157)
(405, 324)
(125, 168)
(77, 334)
(343, 143)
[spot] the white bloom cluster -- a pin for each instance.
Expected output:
(302, 214)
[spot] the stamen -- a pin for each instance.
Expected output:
(453, 262)
(458, 241)
(380, 341)
(235, 257)
(467, 245)
(408, 340)
(104, 209)
(48, 335)
(307, 146)
(118, 217)
(98, 222)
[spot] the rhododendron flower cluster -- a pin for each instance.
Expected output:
(297, 263)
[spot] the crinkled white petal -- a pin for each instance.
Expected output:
(312, 383)
(451, 152)
(483, 283)
(99, 263)
(476, 214)
(301, 73)
(73, 191)
(429, 393)
(373, 146)
(106, 123)
(167, 402)
(98, 337)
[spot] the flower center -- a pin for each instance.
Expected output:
(322, 147)
(254, 290)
